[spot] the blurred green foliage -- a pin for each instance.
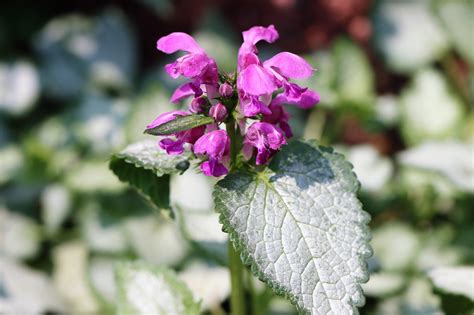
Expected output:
(74, 90)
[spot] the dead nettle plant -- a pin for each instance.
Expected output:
(289, 206)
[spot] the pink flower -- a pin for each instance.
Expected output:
(279, 116)
(257, 80)
(196, 65)
(176, 147)
(218, 112)
(266, 138)
(198, 105)
(216, 146)
(226, 90)
(185, 90)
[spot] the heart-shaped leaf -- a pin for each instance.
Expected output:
(300, 226)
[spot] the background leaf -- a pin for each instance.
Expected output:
(152, 290)
(144, 166)
(301, 227)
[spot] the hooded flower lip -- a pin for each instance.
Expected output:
(216, 146)
(171, 146)
(251, 37)
(195, 64)
(258, 79)
(185, 90)
(266, 138)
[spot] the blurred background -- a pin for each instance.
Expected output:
(79, 80)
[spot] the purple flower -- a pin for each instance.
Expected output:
(218, 112)
(195, 64)
(252, 105)
(257, 79)
(175, 147)
(248, 51)
(266, 138)
(198, 105)
(226, 90)
(216, 146)
(279, 116)
(185, 90)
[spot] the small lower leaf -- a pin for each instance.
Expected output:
(146, 167)
(180, 123)
(143, 289)
(300, 226)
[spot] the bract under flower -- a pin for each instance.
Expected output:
(176, 146)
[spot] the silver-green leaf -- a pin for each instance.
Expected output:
(147, 168)
(143, 289)
(300, 226)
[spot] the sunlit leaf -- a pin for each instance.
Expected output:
(300, 225)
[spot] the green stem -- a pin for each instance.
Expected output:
(237, 295)
(232, 132)
(253, 294)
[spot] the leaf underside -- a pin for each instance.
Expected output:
(301, 227)
(180, 123)
(145, 289)
(147, 168)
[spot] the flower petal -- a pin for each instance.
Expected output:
(213, 168)
(305, 100)
(214, 144)
(178, 41)
(290, 65)
(258, 33)
(172, 147)
(256, 80)
(184, 91)
(164, 118)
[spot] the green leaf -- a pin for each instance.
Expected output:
(354, 75)
(300, 226)
(408, 35)
(146, 168)
(143, 289)
(180, 123)
(429, 109)
(457, 17)
(454, 280)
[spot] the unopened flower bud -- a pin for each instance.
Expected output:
(218, 112)
(198, 104)
(226, 90)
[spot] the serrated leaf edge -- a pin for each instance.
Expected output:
(247, 260)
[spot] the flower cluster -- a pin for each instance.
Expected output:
(249, 102)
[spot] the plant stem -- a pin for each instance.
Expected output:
(232, 132)
(237, 295)
(254, 306)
